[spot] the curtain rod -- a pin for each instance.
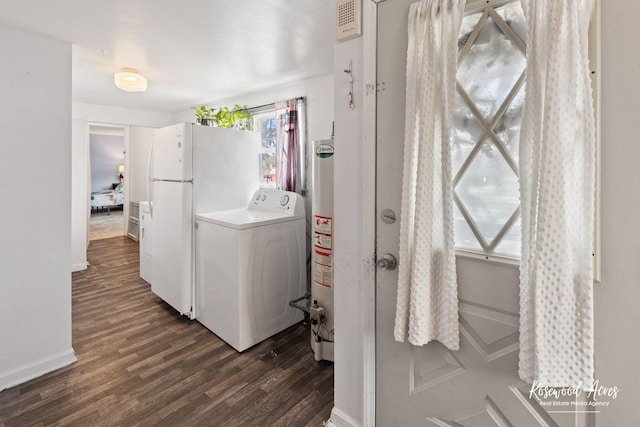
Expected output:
(272, 105)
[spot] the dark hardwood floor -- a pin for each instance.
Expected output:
(140, 363)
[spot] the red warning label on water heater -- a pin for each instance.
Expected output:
(322, 241)
(323, 224)
(323, 251)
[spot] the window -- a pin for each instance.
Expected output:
(486, 121)
(265, 123)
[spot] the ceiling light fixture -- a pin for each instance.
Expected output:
(130, 80)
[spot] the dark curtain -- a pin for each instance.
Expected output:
(287, 145)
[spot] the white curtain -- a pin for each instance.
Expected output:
(427, 299)
(557, 181)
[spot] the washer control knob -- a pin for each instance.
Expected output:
(257, 196)
(264, 197)
(284, 200)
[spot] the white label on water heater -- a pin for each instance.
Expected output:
(324, 258)
(323, 269)
(323, 275)
(323, 224)
(322, 240)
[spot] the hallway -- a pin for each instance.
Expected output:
(139, 362)
(104, 224)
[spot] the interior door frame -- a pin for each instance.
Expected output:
(369, 132)
(87, 174)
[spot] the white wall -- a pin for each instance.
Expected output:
(35, 279)
(350, 257)
(139, 146)
(617, 298)
(107, 154)
(120, 116)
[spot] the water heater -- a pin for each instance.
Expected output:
(321, 310)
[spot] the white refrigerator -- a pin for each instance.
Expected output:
(193, 169)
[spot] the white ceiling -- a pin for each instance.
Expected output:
(191, 51)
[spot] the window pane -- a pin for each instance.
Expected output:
(510, 243)
(489, 191)
(490, 69)
(469, 22)
(268, 132)
(265, 123)
(466, 133)
(464, 237)
(514, 18)
(508, 128)
(268, 169)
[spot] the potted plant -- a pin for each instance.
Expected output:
(240, 117)
(205, 116)
(237, 118)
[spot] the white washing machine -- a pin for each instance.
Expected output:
(249, 264)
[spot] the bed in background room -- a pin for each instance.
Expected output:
(107, 199)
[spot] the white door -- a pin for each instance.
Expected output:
(431, 386)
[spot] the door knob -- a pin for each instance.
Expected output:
(387, 263)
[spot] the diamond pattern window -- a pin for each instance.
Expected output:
(487, 116)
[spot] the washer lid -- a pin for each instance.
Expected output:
(241, 219)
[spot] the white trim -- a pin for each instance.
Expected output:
(79, 266)
(127, 187)
(86, 158)
(473, 6)
(492, 259)
(84, 218)
(36, 369)
(595, 58)
(340, 419)
(370, 48)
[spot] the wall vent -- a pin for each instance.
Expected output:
(348, 19)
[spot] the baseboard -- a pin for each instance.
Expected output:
(36, 369)
(340, 419)
(79, 267)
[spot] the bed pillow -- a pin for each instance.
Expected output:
(120, 188)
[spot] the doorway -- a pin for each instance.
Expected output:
(106, 181)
